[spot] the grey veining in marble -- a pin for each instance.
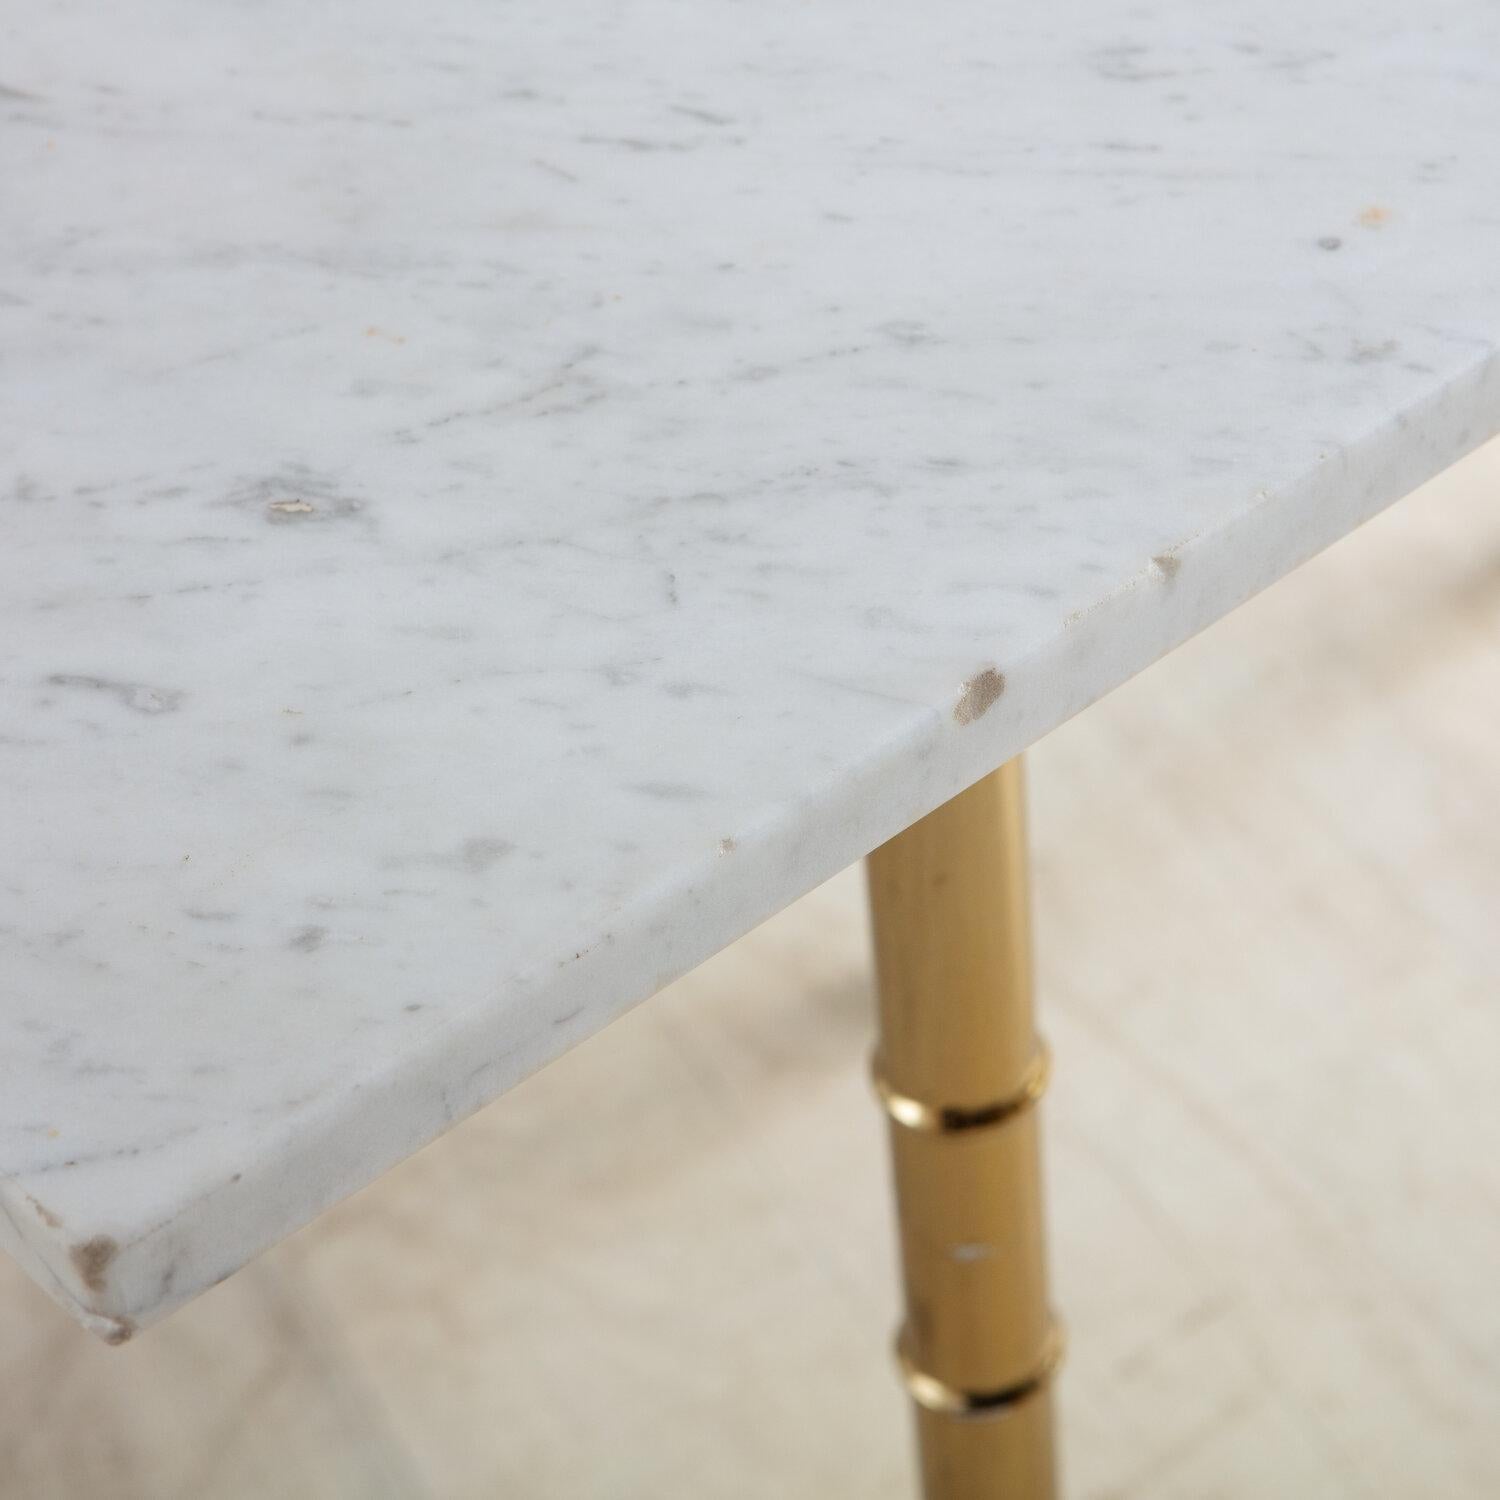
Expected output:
(498, 499)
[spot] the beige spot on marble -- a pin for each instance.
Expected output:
(290, 507)
(44, 1213)
(1374, 216)
(979, 695)
(92, 1258)
(1167, 564)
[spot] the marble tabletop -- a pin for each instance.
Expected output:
(499, 499)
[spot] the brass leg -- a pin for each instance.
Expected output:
(959, 1069)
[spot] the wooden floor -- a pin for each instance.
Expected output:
(1269, 928)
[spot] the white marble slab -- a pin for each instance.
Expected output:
(498, 499)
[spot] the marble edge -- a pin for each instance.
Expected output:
(117, 1279)
(61, 1267)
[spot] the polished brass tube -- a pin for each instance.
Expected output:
(959, 1070)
